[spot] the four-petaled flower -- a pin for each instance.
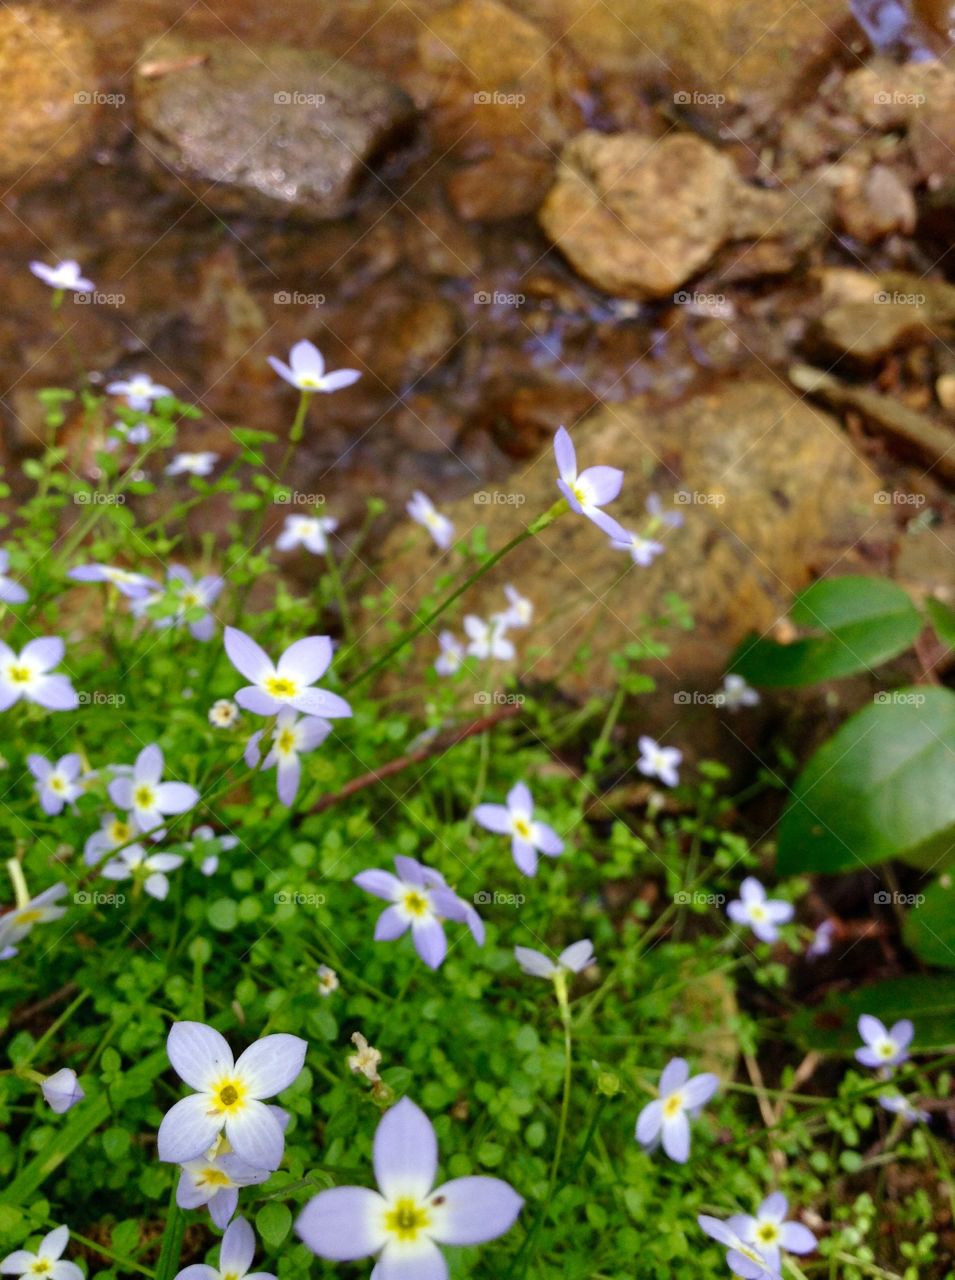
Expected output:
(310, 532)
(47, 1262)
(193, 464)
(643, 551)
(769, 1231)
(114, 833)
(449, 660)
(215, 1183)
(65, 275)
(306, 370)
(28, 675)
(488, 639)
(235, 1257)
(516, 819)
(736, 693)
(884, 1048)
(140, 391)
(405, 1221)
(420, 899)
(62, 1090)
(519, 611)
(132, 585)
(592, 489)
(743, 1258)
(666, 1120)
(327, 980)
(146, 797)
(573, 959)
(423, 511)
(900, 1106)
(229, 1095)
(288, 683)
(291, 736)
(762, 914)
(56, 784)
(10, 592)
(135, 863)
(659, 762)
(16, 924)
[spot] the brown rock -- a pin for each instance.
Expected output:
(505, 185)
(48, 93)
(873, 203)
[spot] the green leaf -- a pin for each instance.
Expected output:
(274, 1221)
(942, 617)
(930, 923)
(857, 624)
(882, 787)
(928, 1001)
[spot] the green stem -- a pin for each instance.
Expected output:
(168, 1263)
(125, 1264)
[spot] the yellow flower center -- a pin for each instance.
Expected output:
(285, 742)
(29, 917)
(144, 797)
(886, 1049)
(416, 903)
(281, 687)
(229, 1096)
(673, 1105)
(56, 783)
(757, 912)
(407, 1219)
(119, 832)
(522, 828)
(19, 674)
(767, 1233)
(41, 1267)
(212, 1177)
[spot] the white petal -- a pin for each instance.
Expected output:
(199, 1054)
(272, 1064)
(405, 1152)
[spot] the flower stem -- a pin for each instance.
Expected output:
(168, 1263)
(537, 526)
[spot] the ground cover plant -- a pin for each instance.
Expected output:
(300, 976)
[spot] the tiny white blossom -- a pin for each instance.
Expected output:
(194, 464)
(140, 391)
(65, 275)
(62, 1090)
(737, 693)
(310, 532)
(423, 511)
(224, 713)
(487, 639)
(450, 658)
(327, 980)
(763, 915)
(306, 370)
(659, 762)
(47, 1262)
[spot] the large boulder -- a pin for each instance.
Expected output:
(274, 130)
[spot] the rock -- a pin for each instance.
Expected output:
(755, 531)
(871, 315)
(638, 216)
(492, 79)
(272, 131)
(47, 93)
(403, 339)
(505, 185)
(873, 203)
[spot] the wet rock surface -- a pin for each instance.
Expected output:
(267, 130)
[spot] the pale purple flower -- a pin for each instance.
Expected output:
(193, 599)
(899, 1106)
(488, 639)
(310, 532)
(224, 713)
(46, 1262)
(140, 391)
(736, 693)
(10, 592)
(65, 275)
(236, 1253)
(405, 1220)
(423, 511)
(23, 918)
(573, 959)
(306, 370)
(292, 736)
(113, 834)
(29, 675)
(643, 551)
(822, 940)
(134, 863)
(420, 900)
(659, 762)
(216, 1183)
(592, 489)
(193, 464)
(670, 519)
(449, 660)
(516, 819)
(884, 1048)
(290, 682)
(519, 611)
(132, 585)
(56, 784)
(769, 1231)
(146, 797)
(763, 915)
(62, 1090)
(666, 1120)
(139, 434)
(228, 1095)
(742, 1258)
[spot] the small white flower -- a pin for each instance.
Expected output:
(487, 639)
(134, 586)
(884, 1048)
(47, 1262)
(449, 660)
(65, 275)
(287, 683)
(10, 592)
(113, 834)
(16, 924)
(235, 1257)
(62, 1090)
(899, 1106)
(28, 675)
(135, 863)
(224, 713)
(737, 693)
(327, 980)
(659, 762)
(423, 511)
(292, 736)
(306, 370)
(140, 391)
(769, 1231)
(215, 1183)
(519, 611)
(762, 914)
(57, 784)
(667, 1118)
(365, 1061)
(573, 959)
(144, 795)
(310, 532)
(516, 819)
(194, 464)
(643, 551)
